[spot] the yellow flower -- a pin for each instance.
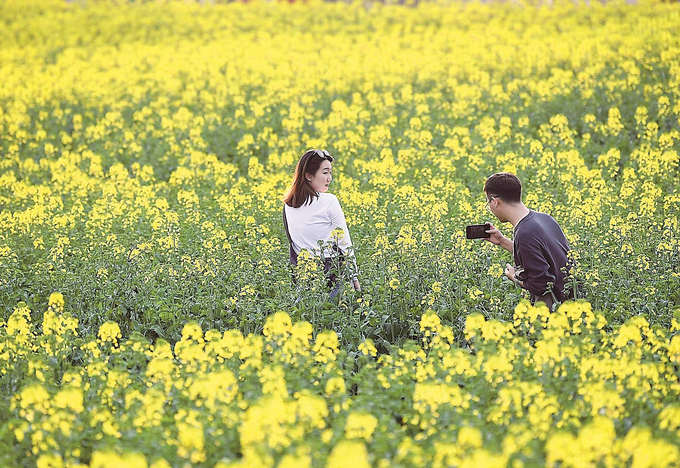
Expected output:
(669, 418)
(277, 325)
(18, 324)
(191, 441)
(49, 461)
(475, 293)
(326, 346)
(311, 411)
(71, 398)
(56, 301)
(192, 332)
(335, 385)
(109, 331)
(337, 234)
(160, 463)
(470, 437)
(495, 270)
(110, 459)
(360, 426)
(473, 325)
(34, 396)
(349, 453)
(300, 459)
(367, 348)
(430, 323)
(484, 458)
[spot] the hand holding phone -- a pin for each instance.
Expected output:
(477, 231)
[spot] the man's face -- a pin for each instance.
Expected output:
(494, 205)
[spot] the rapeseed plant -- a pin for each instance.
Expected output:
(144, 151)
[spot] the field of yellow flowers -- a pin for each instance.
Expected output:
(545, 389)
(144, 150)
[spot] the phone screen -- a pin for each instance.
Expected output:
(477, 231)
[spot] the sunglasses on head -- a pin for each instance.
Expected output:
(323, 154)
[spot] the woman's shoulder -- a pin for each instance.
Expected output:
(329, 200)
(322, 200)
(328, 197)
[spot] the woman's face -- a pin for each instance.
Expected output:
(323, 177)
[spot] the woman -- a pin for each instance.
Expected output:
(310, 216)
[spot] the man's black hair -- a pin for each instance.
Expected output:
(505, 186)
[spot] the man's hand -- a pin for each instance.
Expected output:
(355, 283)
(498, 239)
(510, 272)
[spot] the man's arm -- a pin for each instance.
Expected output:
(498, 238)
(536, 267)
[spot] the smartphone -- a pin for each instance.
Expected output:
(477, 231)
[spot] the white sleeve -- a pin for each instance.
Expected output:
(338, 221)
(345, 243)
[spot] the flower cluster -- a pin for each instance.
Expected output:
(144, 180)
(144, 151)
(551, 389)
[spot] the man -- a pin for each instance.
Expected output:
(539, 247)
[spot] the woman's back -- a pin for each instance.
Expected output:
(312, 216)
(315, 221)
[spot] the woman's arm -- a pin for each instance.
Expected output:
(337, 217)
(338, 220)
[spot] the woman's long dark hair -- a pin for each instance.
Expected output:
(301, 191)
